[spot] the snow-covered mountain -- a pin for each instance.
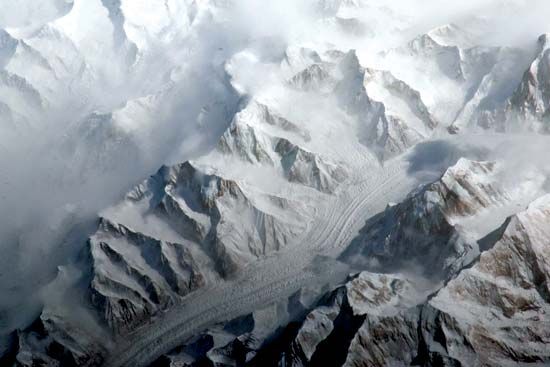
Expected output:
(401, 317)
(425, 227)
(530, 100)
(490, 312)
(192, 227)
(341, 183)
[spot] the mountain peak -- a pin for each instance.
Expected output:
(544, 41)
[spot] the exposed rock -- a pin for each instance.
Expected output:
(50, 342)
(299, 58)
(308, 168)
(482, 78)
(315, 77)
(392, 115)
(447, 58)
(501, 73)
(125, 73)
(421, 230)
(531, 99)
(505, 100)
(495, 313)
(135, 275)
(257, 135)
(401, 99)
(370, 321)
(254, 131)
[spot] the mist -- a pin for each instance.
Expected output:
(120, 102)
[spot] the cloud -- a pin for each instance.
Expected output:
(31, 13)
(429, 160)
(99, 132)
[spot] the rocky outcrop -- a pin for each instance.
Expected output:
(510, 98)
(253, 131)
(50, 342)
(298, 58)
(447, 58)
(314, 78)
(259, 136)
(392, 115)
(121, 85)
(400, 99)
(215, 209)
(223, 345)
(370, 321)
(483, 79)
(421, 230)
(309, 169)
(485, 107)
(135, 275)
(495, 313)
(531, 100)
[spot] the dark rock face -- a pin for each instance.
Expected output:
(369, 321)
(531, 99)
(257, 135)
(385, 128)
(306, 168)
(168, 270)
(421, 229)
(48, 342)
